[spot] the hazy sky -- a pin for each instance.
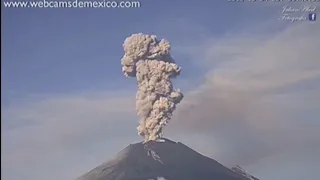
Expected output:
(251, 84)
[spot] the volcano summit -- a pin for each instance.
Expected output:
(161, 160)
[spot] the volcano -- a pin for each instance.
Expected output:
(165, 159)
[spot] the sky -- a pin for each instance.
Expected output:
(251, 84)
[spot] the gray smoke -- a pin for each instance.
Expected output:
(150, 61)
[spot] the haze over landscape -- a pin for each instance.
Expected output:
(251, 84)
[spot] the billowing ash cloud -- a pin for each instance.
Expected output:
(149, 59)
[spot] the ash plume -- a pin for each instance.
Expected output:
(149, 60)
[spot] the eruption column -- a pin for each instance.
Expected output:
(149, 60)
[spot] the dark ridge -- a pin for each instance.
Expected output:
(168, 159)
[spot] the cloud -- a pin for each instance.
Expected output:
(64, 136)
(259, 97)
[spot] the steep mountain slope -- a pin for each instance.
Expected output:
(243, 172)
(166, 159)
